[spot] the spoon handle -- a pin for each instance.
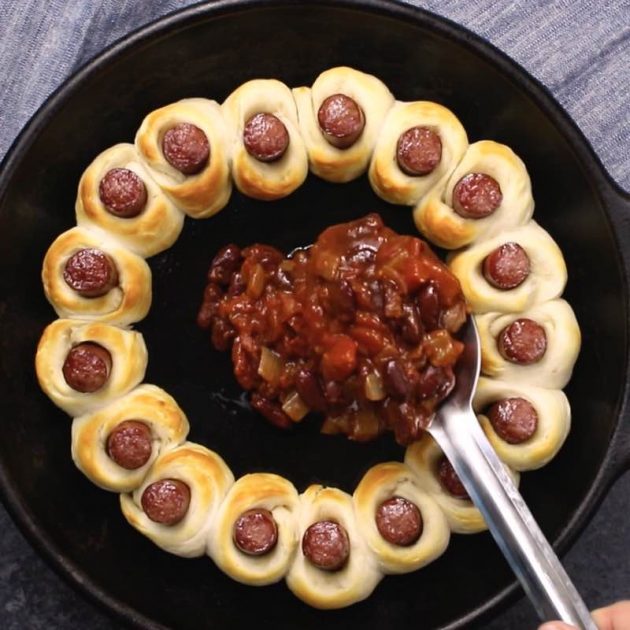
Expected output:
(511, 523)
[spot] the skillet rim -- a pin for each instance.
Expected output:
(612, 197)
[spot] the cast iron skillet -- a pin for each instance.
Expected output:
(208, 51)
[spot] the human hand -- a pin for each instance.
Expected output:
(613, 617)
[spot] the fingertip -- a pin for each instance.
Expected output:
(556, 625)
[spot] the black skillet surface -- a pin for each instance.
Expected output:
(208, 51)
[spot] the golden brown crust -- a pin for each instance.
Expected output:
(127, 303)
(208, 478)
(374, 98)
(382, 482)
(546, 281)
(563, 345)
(258, 490)
(129, 362)
(554, 422)
(332, 589)
(434, 215)
(146, 403)
(201, 195)
(155, 229)
(463, 517)
(386, 178)
(257, 179)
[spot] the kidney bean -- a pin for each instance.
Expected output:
(225, 264)
(395, 379)
(271, 411)
(309, 389)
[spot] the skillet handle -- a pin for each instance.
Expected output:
(617, 202)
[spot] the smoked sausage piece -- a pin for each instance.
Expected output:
(255, 532)
(90, 272)
(265, 137)
(450, 481)
(418, 151)
(186, 148)
(123, 193)
(130, 444)
(524, 342)
(166, 501)
(514, 419)
(399, 521)
(87, 367)
(326, 545)
(476, 196)
(341, 120)
(506, 267)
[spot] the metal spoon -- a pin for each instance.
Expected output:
(458, 433)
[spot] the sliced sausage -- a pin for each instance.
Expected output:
(341, 120)
(123, 193)
(450, 481)
(418, 151)
(255, 532)
(90, 272)
(399, 521)
(506, 267)
(225, 264)
(186, 148)
(166, 501)
(476, 196)
(87, 367)
(326, 545)
(265, 137)
(524, 341)
(130, 444)
(514, 419)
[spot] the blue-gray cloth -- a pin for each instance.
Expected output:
(580, 49)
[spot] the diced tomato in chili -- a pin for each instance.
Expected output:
(359, 327)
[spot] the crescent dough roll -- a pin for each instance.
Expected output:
(155, 229)
(554, 422)
(265, 180)
(372, 96)
(147, 404)
(382, 482)
(208, 478)
(127, 350)
(350, 584)
(546, 281)
(126, 303)
(205, 193)
(258, 490)
(388, 180)
(554, 369)
(423, 457)
(434, 215)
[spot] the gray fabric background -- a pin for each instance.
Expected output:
(579, 49)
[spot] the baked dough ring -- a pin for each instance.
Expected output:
(554, 422)
(387, 179)
(155, 229)
(563, 345)
(423, 457)
(126, 303)
(374, 98)
(129, 362)
(148, 404)
(205, 193)
(257, 490)
(381, 482)
(436, 219)
(350, 584)
(208, 478)
(265, 180)
(546, 280)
